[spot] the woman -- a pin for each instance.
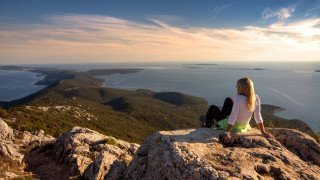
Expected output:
(236, 113)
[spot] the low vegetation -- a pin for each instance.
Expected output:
(84, 95)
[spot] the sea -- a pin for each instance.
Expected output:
(294, 86)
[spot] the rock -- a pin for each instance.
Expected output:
(36, 139)
(9, 150)
(298, 143)
(106, 166)
(6, 132)
(13, 146)
(10, 175)
(82, 152)
(197, 154)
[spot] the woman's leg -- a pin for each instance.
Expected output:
(213, 113)
(227, 106)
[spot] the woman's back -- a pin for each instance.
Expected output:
(240, 112)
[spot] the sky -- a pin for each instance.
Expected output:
(95, 31)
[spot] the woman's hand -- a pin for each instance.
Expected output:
(267, 135)
(264, 133)
(227, 138)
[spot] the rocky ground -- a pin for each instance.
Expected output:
(82, 153)
(198, 154)
(13, 147)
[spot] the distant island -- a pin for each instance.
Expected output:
(54, 75)
(12, 68)
(193, 67)
(317, 70)
(256, 69)
(102, 72)
(202, 64)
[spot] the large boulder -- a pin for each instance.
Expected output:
(198, 154)
(37, 139)
(82, 152)
(8, 149)
(6, 132)
(299, 143)
(13, 146)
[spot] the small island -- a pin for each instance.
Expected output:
(202, 64)
(317, 70)
(14, 68)
(231, 68)
(259, 69)
(193, 67)
(103, 72)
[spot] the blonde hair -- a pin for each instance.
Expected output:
(246, 88)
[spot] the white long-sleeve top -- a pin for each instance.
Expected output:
(240, 112)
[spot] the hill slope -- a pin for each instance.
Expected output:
(81, 101)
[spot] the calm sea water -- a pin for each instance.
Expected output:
(293, 86)
(18, 84)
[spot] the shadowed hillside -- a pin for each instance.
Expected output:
(81, 101)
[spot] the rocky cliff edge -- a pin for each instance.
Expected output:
(181, 154)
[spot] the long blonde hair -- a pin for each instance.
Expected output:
(246, 88)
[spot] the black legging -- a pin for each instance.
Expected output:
(214, 113)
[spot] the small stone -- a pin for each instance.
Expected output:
(261, 169)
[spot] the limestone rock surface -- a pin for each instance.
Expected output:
(198, 154)
(82, 152)
(14, 145)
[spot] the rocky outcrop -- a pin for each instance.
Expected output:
(298, 143)
(13, 145)
(198, 154)
(82, 152)
(6, 132)
(7, 148)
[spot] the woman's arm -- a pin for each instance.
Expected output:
(264, 133)
(258, 118)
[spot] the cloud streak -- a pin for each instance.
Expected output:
(70, 38)
(281, 15)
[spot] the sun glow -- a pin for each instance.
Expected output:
(72, 38)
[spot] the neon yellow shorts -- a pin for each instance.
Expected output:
(237, 127)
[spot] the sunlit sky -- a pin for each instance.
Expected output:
(82, 31)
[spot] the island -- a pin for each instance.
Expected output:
(317, 70)
(235, 68)
(202, 64)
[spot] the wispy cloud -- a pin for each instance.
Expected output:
(281, 14)
(82, 38)
(218, 9)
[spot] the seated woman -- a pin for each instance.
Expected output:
(236, 114)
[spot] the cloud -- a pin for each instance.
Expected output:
(218, 9)
(70, 38)
(281, 14)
